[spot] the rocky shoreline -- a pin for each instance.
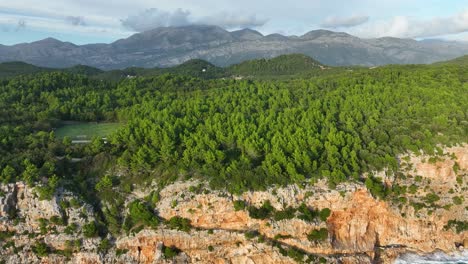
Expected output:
(457, 257)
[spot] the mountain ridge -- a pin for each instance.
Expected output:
(169, 46)
(282, 65)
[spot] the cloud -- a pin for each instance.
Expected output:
(336, 22)
(154, 18)
(407, 27)
(398, 18)
(227, 20)
(76, 20)
(20, 25)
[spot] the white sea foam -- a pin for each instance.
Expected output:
(434, 258)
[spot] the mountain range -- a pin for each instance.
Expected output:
(169, 46)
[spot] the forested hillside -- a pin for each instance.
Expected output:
(15, 68)
(249, 134)
(193, 68)
(283, 65)
(461, 61)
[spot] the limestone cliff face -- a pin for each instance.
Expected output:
(361, 229)
(228, 247)
(367, 224)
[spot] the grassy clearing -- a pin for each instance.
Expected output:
(85, 131)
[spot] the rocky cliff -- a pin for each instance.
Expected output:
(358, 228)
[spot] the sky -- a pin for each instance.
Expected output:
(98, 21)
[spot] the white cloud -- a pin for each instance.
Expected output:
(407, 27)
(398, 18)
(229, 20)
(11, 23)
(153, 18)
(20, 25)
(76, 20)
(336, 22)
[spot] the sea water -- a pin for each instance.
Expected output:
(435, 258)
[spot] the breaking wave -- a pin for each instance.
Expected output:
(434, 258)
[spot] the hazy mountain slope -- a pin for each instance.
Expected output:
(195, 68)
(15, 68)
(291, 64)
(164, 47)
(48, 52)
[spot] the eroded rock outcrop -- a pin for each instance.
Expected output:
(226, 247)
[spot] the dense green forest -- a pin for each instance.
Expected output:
(283, 65)
(248, 134)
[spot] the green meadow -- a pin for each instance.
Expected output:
(86, 131)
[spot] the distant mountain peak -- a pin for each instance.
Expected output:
(247, 34)
(167, 37)
(184, 28)
(323, 33)
(49, 41)
(276, 37)
(248, 30)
